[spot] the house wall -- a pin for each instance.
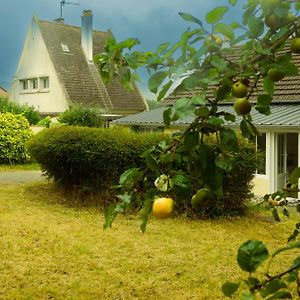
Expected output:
(35, 62)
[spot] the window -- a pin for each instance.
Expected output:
(44, 83)
(34, 84)
(24, 85)
(261, 149)
(65, 48)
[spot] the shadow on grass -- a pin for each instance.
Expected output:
(53, 194)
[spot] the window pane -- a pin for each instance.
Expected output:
(34, 84)
(261, 147)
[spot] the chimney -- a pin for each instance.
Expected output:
(87, 34)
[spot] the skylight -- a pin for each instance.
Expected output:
(65, 48)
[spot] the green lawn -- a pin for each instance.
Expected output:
(16, 167)
(51, 250)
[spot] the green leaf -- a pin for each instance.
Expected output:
(229, 288)
(294, 176)
(297, 6)
(151, 161)
(216, 14)
(251, 255)
(167, 116)
(272, 287)
(224, 162)
(286, 248)
(292, 276)
(256, 26)
(199, 100)
(191, 139)
(111, 212)
(248, 296)
(233, 2)
(275, 215)
(219, 63)
(268, 86)
(215, 121)
(181, 181)
(164, 90)
(190, 18)
(146, 209)
(263, 104)
(130, 177)
(182, 108)
(223, 92)
(156, 80)
(228, 139)
(202, 112)
(285, 212)
(128, 43)
(224, 29)
(281, 295)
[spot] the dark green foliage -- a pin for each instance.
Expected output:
(79, 115)
(89, 158)
(14, 132)
(29, 112)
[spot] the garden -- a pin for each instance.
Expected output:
(128, 215)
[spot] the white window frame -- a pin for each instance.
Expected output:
(24, 85)
(43, 80)
(34, 84)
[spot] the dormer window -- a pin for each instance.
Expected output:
(65, 48)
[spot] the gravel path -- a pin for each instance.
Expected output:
(12, 177)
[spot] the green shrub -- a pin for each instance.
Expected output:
(89, 158)
(79, 115)
(14, 132)
(31, 114)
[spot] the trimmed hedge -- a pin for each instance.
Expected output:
(79, 115)
(14, 132)
(89, 158)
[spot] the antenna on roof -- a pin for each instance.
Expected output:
(62, 4)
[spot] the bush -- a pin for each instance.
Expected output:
(82, 116)
(89, 158)
(14, 132)
(28, 112)
(237, 185)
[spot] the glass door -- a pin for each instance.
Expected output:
(281, 161)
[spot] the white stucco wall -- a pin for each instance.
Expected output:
(35, 63)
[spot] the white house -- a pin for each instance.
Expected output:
(56, 70)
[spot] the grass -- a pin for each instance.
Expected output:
(22, 167)
(53, 250)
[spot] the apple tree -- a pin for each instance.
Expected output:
(217, 62)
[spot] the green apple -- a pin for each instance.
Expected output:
(275, 74)
(242, 106)
(239, 89)
(295, 45)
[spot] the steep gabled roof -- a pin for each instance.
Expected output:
(81, 79)
(3, 92)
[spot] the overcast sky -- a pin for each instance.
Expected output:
(151, 21)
